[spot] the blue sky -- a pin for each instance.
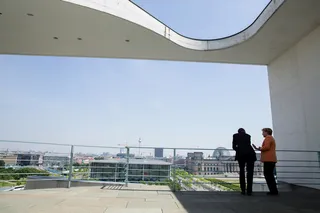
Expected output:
(110, 101)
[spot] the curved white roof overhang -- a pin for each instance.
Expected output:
(120, 29)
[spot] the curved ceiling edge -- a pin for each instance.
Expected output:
(131, 12)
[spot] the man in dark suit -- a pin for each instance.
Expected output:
(246, 157)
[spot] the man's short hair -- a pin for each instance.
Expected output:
(241, 130)
(267, 130)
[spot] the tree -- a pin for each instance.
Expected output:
(2, 163)
(7, 174)
(17, 174)
(76, 164)
(25, 172)
(99, 158)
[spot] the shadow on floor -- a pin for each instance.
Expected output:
(299, 200)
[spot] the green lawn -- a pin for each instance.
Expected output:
(6, 184)
(229, 184)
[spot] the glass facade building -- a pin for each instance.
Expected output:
(139, 170)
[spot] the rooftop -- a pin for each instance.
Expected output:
(155, 199)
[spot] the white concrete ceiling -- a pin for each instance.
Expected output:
(120, 29)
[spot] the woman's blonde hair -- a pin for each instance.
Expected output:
(267, 130)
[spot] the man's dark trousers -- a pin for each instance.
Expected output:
(243, 163)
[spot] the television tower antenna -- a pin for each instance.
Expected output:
(139, 145)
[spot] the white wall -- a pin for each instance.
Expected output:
(294, 80)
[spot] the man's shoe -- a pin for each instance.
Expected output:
(243, 193)
(249, 193)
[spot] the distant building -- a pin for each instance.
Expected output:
(83, 160)
(28, 159)
(221, 163)
(195, 156)
(9, 160)
(139, 170)
(221, 152)
(53, 159)
(124, 155)
(180, 163)
(158, 152)
(196, 164)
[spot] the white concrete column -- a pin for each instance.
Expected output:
(294, 79)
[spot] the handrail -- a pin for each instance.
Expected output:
(208, 149)
(219, 174)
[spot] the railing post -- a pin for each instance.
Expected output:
(115, 173)
(127, 167)
(142, 172)
(70, 167)
(275, 175)
(174, 170)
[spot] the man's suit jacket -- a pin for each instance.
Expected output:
(242, 145)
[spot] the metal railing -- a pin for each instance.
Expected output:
(191, 169)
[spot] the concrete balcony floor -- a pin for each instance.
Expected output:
(154, 199)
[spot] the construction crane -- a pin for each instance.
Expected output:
(122, 149)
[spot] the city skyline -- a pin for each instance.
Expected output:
(145, 152)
